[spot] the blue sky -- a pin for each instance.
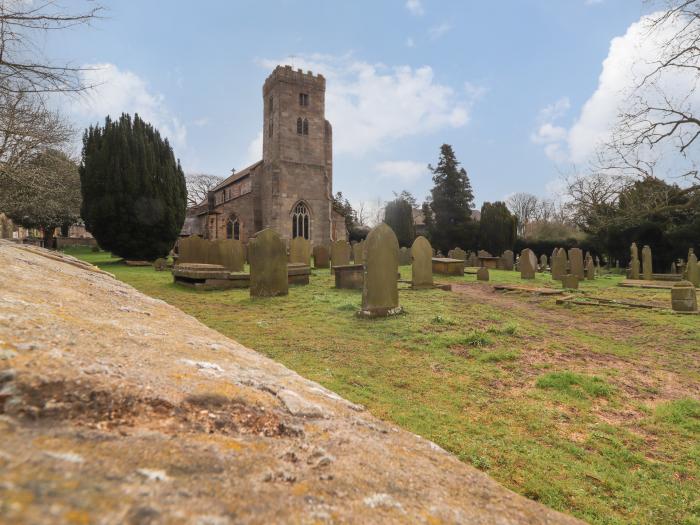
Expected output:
(506, 83)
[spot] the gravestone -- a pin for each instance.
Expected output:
(483, 253)
(422, 264)
(358, 251)
(590, 269)
(160, 264)
(380, 293)
(193, 250)
(569, 281)
(300, 251)
(404, 256)
(674, 270)
(634, 262)
(459, 253)
(559, 264)
(472, 260)
(544, 263)
(268, 264)
(482, 274)
(684, 297)
(228, 253)
(340, 253)
(647, 271)
(576, 262)
(507, 260)
(526, 264)
(451, 253)
(693, 269)
(321, 256)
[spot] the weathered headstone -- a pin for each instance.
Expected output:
(559, 264)
(684, 297)
(404, 256)
(160, 264)
(507, 260)
(544, 263)
(321, 256)
(483, 253)
(422, 265)
(590, 269)
(472, 259)
(482, 274)
(634, 262)
(570, 281)
(459, 253)
(526, 264)
(647, 271)
(193, 250)
(268, 265)
(358, 252)
(228, 253)
(340, 253)
(300, 251)
(576, 261)
(380, 293)
(693, 269)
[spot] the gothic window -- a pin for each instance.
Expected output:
(303, 99)
(269, 127)
(233, 228)
(305, 127)
(300, 221)
(299, 126)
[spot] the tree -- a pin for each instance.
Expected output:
(398, 214)
(497, 228)
(43, 193)
(524, 207)
(451, 201)
(198, 187)
(134, 193)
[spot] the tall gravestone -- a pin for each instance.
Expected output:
(507, 260)
(647, 271)
(576, 261)
(422, 264)
(300, 251)
(693, 269)
(527, 267)
(340, 253)
(559, 264)
(358, 251)
(380, 292)
(590, 269)
(268, 265)
(634, 262)
(321, 256)
(544, 263)
(404, 256)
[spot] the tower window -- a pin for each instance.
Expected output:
(305, 127)
(300, 221)
(270, 104)
(303, 99)
(300, 126)
(269, 127)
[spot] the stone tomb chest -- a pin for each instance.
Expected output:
(447, 266)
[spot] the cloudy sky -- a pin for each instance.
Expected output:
(521, 88)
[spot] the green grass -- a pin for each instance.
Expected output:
(593, 412)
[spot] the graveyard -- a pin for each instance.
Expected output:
(590, 409)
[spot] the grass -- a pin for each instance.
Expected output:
(593, 412)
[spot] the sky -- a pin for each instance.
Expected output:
(522, 89)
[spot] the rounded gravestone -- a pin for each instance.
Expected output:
(527, 264)
(422, 265)
(693, 269)
(380, 293)
(482, 274)
(576, 260)
(559, 261)
(300, 251)
(321, 256)
(647, 270)
(340, 253)
(268, 265)
(684, 297)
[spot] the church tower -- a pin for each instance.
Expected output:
(296, 185)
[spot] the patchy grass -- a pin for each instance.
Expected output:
(591, 411)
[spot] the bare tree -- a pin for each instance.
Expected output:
(592, 197)
(198, 187)
(23, 67)
(524, 207)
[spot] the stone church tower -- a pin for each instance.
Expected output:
(290, 189)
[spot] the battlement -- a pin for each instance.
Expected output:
(298, 76)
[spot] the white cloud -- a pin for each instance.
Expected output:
(119, 91)
(370, 105)
(410, 42)
(415, 7)
(439, 30)
(255, 149)
(405, 171)
(593, 2)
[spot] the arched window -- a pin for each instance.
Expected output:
(301, 221)
(269, 127)
(299, 126)
(306, 127)
(233, 228)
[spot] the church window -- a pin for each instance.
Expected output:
(299, 126)
(269, 127)
(270, 104)
(300, 221)
(233, 228)
(303, 99)
(305, 127)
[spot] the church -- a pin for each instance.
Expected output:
(291, 188)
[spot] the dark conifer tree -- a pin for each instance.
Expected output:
(133, 188)
(497, 228)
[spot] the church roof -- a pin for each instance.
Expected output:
(236, 176)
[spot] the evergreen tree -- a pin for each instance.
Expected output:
(398, 214)
(134, 193)
(497, 228)
(452, 200)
